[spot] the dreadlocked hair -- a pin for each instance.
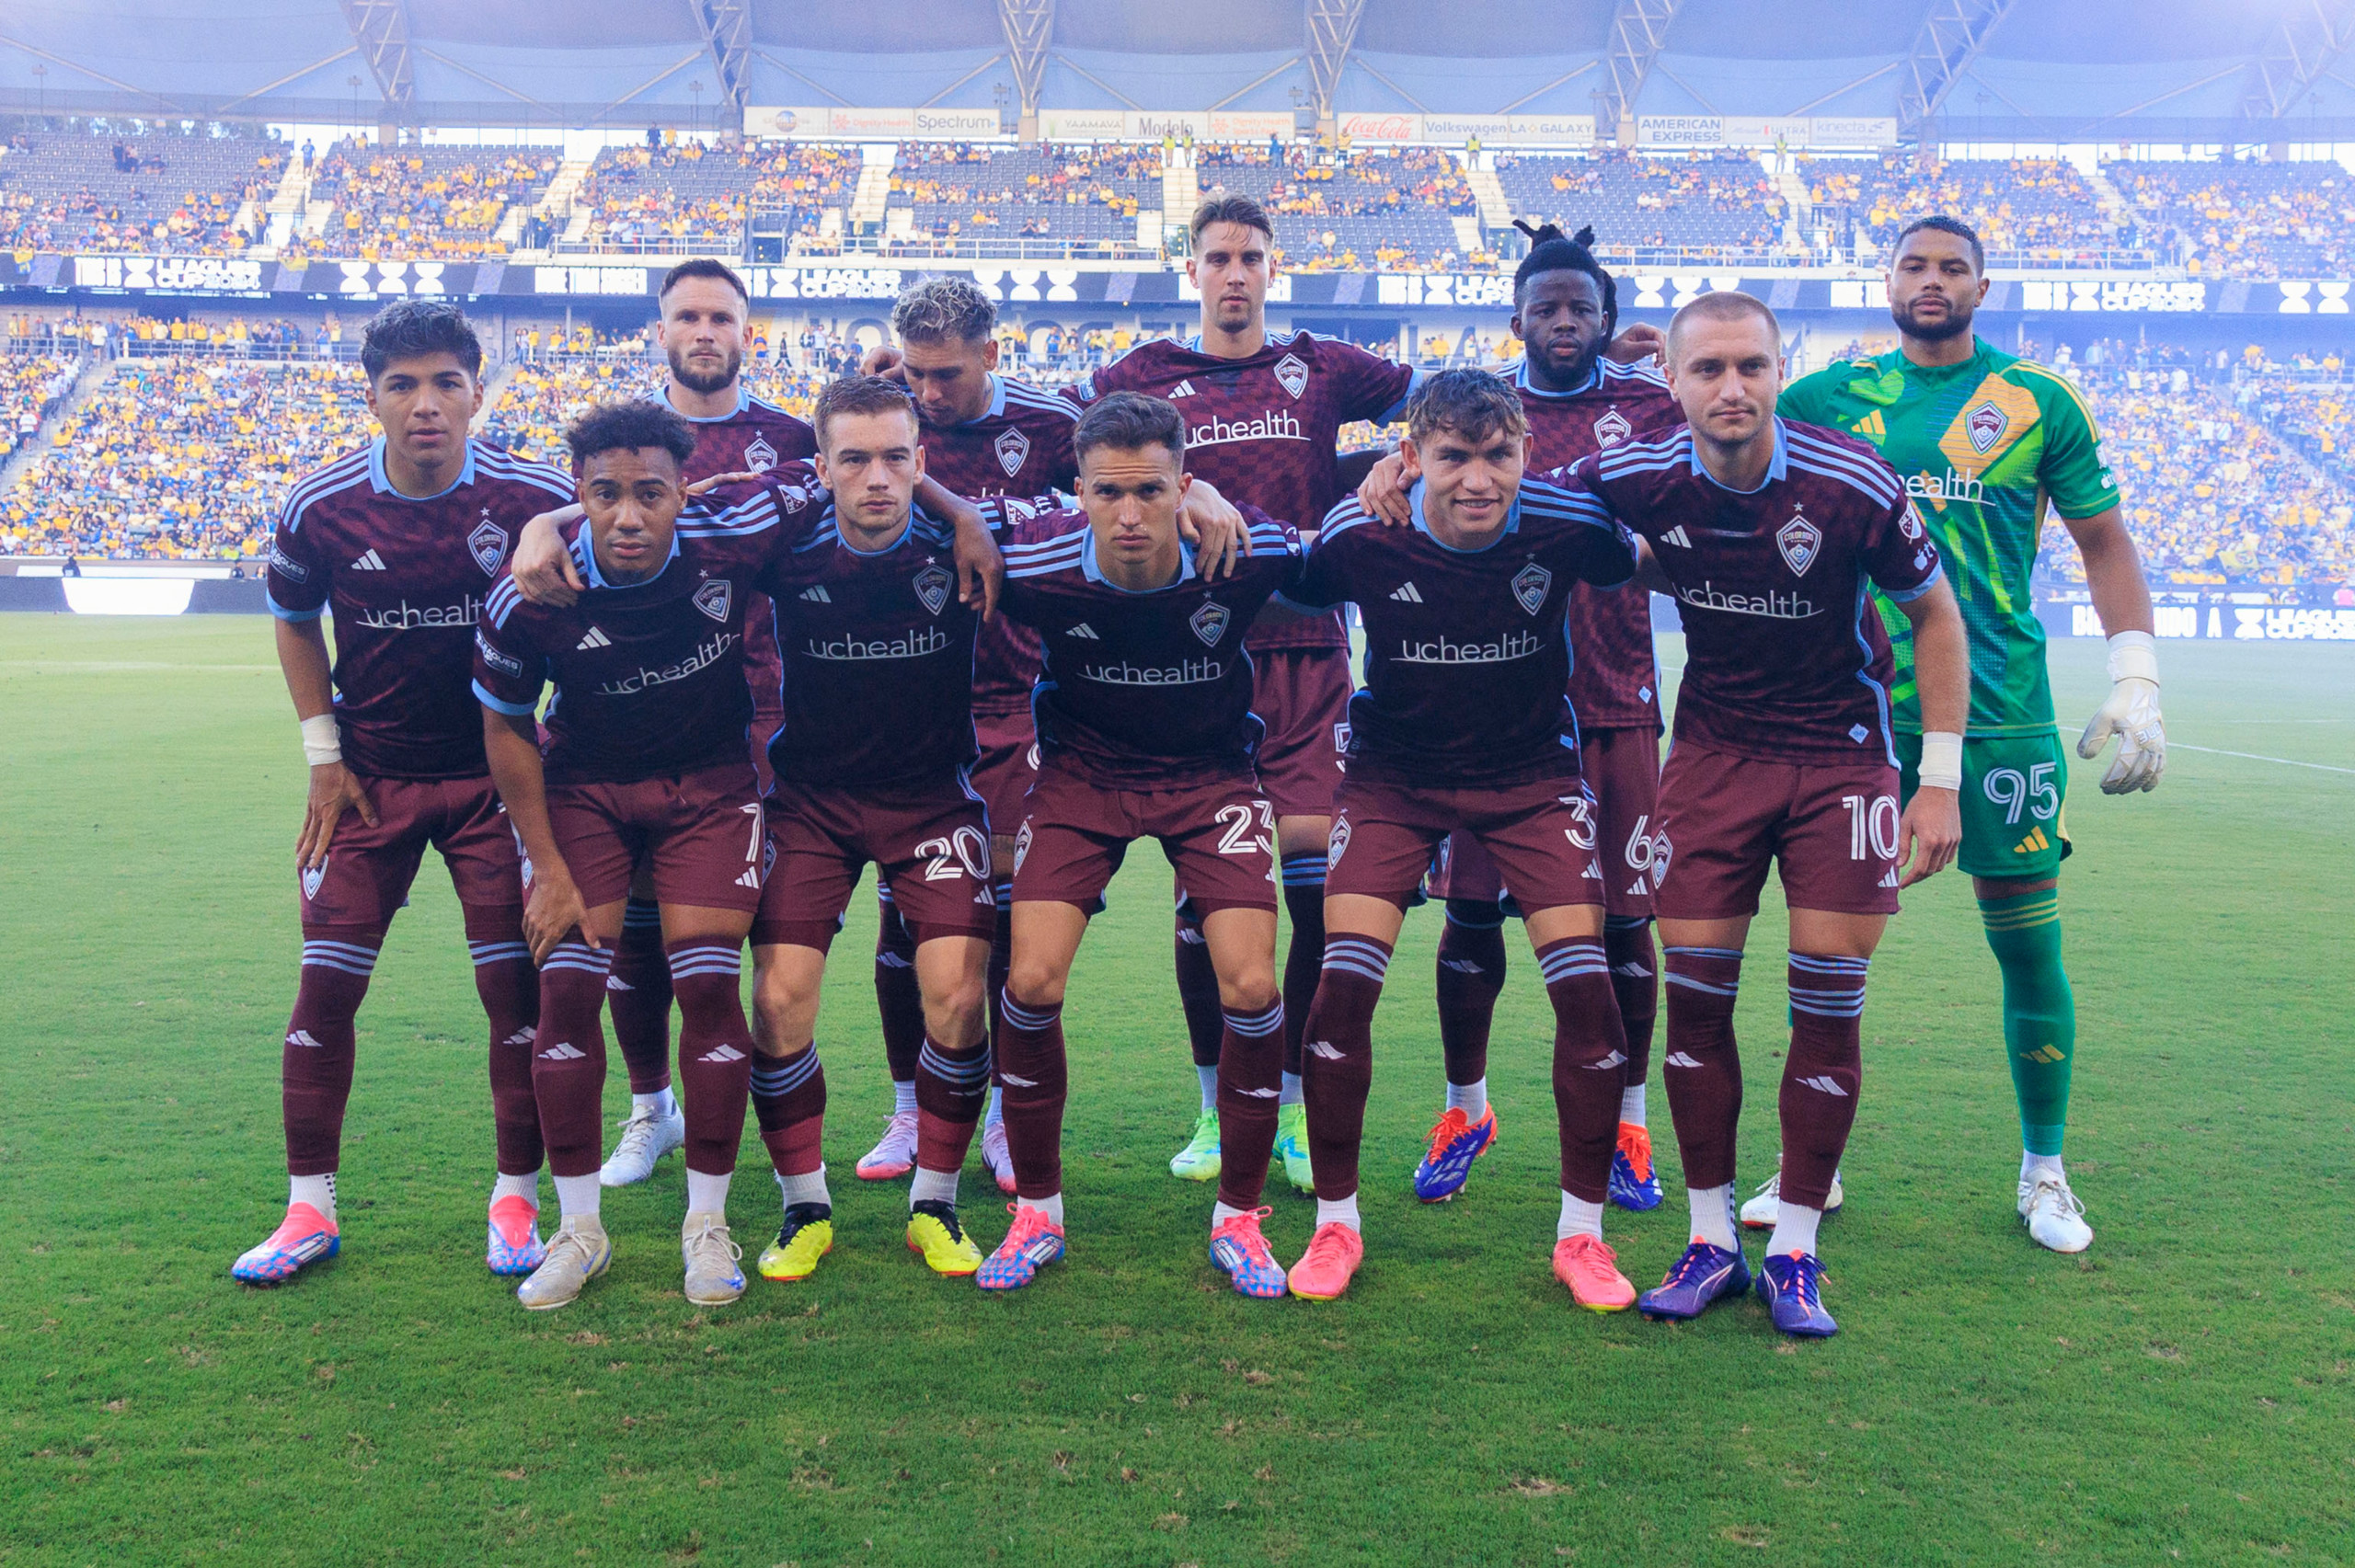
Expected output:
(1552, 251)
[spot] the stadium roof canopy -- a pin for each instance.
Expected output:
(1993, 70)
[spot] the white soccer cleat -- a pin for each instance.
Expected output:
(1765, 1207)
(577, 1254)
(646, 1137)
(2054, 1216)
(894, 1154)
(711, 1256)
(996, 1156)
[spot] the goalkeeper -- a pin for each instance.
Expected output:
(1984, 440)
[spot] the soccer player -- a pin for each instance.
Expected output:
(401, 539)
(1145, 731)
(1770, 534)
(1984, 440)
(871, 766)
(1463, 727)
(646, 760)
(1578, 401)
(1263, 416)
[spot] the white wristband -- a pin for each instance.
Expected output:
(2134, 657)
(1941, 760)
(322, 741)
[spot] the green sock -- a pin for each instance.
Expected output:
(2040, 1015)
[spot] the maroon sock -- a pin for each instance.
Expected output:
(569, 1057)
(1823, 1072)
(1001, 958)
(1702, 1068)
(1304, 877)
(950, 1088)
(1471, 976)
(1590, 1057)
(1250, 1078)
(509, 990)
(1337, 1058)
(1198, 989)
(315, 1063)
(897, 999)
(1634, 981)
(715, 1047)
(638, 993)
(1034, 1070)
(790, 1099)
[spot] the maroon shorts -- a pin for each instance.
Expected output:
(701, 835)
(1621, 766)
(930, 845)
(1302, 695)
(1009, 760)
(1541, 836)
(1219, 838)
(368, 870)
(1832, 828)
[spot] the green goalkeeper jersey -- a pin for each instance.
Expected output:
(1982, 446)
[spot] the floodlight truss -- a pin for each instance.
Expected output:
(1639, 28)
(1332, 29)
(1029, 28)
(2308, 43)
(380, 29)
(1951, 38)
(727, 28)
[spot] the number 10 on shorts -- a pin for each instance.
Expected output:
(1872, 826)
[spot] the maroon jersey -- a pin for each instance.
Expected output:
(758, 437)
(877, 655)
(1266, 429)
(406, 579)
(1021, 447)
(1140, 690)
(1466, 659)
(1613, 682)
(1785, 658)
(648, 676)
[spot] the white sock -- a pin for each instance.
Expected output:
(1209, 1075)
(1713, 1215)
(526, 1187)
(317, 1191)
(1290, 1095)
(996, 1115)
(1794, 1229)
(1472, 1099)
(575, 1198)
(661, 1103)
(1052, 1207)
(1343, 1211)
(932, 1186)
(810, 1188)
(708, 1192)
(903, 1097)
(1631, 1105)
(1580, 1218)
(1222, 1212)
(2035, 1165)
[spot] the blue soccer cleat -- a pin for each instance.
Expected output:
(1033, 1243)
(304, 1237)
(1634, 1184)
(1704, 1276)
(1791, 1286)
(515, 1246)
(1456, 1141)
(1239, 1250)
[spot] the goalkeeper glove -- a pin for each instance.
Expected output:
(2132, 714)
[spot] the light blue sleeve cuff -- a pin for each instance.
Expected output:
(512, 710)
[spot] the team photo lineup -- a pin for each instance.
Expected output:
(676, 697)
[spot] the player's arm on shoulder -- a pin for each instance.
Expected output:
(1636, 342)
(1323, 577)
(544, 569)
(1218, 531)
(1384, 491)
(1931, 831)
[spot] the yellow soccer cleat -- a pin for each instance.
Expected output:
(807, 1236)
(934, 1235)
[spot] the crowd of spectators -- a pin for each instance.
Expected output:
(1701, 203)
(2040, 209)
(154, 194)
(682, 195)
(421, 202)
(2245, 218)
(32, 387)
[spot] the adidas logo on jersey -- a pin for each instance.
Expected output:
(721, 1055)
(305, 1038)
(752, 879)
(1083, 630)
(564, 1052)
(1823, 1085)
(1888, 879)
(1680, 1058)
(1406, 594)
(2035, 841)
(369, 561)
(1676, 537)
(595, 639)
(816, 594)
(1183, 389)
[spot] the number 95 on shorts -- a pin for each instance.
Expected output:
(2013, 787)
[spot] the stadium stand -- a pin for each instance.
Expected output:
(423, 202)
(684, 196)
(2024, 208)
(974, 196)
(155, 194)
(1356, 209)
(31, 386)
(2246, 219)
(1710, 203)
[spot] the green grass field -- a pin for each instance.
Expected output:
(2185, 1391)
